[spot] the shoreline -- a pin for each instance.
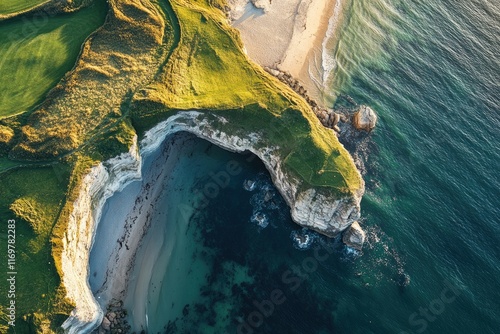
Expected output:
(297, 42)
(121, 233)
(140, 197)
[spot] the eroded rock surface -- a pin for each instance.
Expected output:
(364, 119)
(354, 236)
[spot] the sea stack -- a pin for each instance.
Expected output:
(354, 236)
(364, 119)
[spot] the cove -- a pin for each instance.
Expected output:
(217, 246)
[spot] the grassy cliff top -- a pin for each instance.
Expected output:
(209, 71)
(148, 61)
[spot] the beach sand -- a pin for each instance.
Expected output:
(288, 35)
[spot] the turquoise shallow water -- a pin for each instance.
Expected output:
(431, 263)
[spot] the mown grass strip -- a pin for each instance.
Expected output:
(14, 6)
(37, 51)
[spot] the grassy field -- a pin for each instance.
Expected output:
(36, 54)
(14, 6)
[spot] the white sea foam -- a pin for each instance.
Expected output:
(303, 239)
(328, 62)
(260, 219)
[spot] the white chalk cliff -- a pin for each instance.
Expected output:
(310, 207)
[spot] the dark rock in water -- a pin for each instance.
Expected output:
(302, 239)
(111, 316)
(185, 310)
(354, 236)
(260, 219)
(249, 185)
(403, 280)
(357, 142)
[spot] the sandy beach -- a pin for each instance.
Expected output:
(288, 35)
(120, 231)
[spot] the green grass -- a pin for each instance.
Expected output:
(33, 197)
(35, 55)
(207, 70)
(6, 163)
(13, 6)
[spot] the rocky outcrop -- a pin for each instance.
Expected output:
(311, 207)
(115, 320)
(354, 236)
(364, 119)
(327, 117)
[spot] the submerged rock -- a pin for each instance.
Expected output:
(249, 185)
(364, 119)
(354, 236)
(260, 219)
(302, 239)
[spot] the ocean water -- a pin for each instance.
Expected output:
(431, 210)
(431, 70)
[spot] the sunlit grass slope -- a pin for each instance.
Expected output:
(35, 54)
(209, 71)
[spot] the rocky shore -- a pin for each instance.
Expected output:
(114, 321)
(316, 208)
(326, 116)
(361, 119)
(364, 118)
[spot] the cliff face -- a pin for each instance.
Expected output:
(310, 207)
(97, 186)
